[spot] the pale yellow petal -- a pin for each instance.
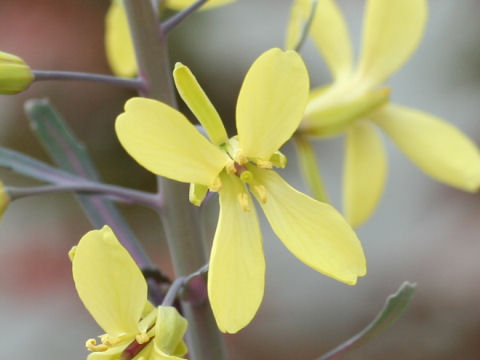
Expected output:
(313, 231)
(365, 171)
(328, 30)
(197, 101)
(182, 4)
(118, 42)
(170, 328)
(435, 146)
(109, 282)
(236, 277)
(162, 140)
(392, 31)
(271, 102)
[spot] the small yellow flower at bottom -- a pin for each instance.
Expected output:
(269, 108)
(114, 291)
(15, 74)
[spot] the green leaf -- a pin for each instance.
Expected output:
(25, 165)
(394, 306)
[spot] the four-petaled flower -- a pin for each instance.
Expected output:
(355, 103)
(114, 291)
(118, 42)
(269, 109)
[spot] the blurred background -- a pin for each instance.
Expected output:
(423, 231)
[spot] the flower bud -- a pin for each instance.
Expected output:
(15, 75)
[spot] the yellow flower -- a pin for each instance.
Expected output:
(114, 291)
(15, 75)
(357, 104)
(269, 109)
(118, 42)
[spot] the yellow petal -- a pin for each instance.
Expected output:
(313, 231)
(170, 328)
(109, 282)
(118, 42)
(236, 277)
(162, 140)
(435, 146)
(328, 30)
(392, 31)
(309, 168)
(182, 4)
(198, 102)
(365, 171)
(271, 102)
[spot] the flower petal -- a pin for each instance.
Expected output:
(197, 101)
(329, 33)
(162, 140)
(109, 282)
(170, 328)
(313, 231)
(182, 4)
(364, 172)
(435, 146)
(118, 42)
(392, 31)
(236, 277)
(271, 102)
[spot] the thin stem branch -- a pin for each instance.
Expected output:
(44, 75)
(180, 283)
(117, 192)
(306, 27)
(176, 19)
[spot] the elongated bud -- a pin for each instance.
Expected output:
(4, 199)
(15, 75)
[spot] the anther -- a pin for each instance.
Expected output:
(240, 157)
(230, 167)
(264, 164)
(109, 340)
(216, 185)
(261, 193)
(91, 344)
(71, 253)
(142, 338)
(243, 200)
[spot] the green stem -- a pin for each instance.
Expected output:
(180, 218)
(43, 75)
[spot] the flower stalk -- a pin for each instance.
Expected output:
(180, 219)
(45, 75)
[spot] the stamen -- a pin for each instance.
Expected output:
(264, 164)
(240, 157)
(142, 338)
(230, 167)
(261, 192)
(243, 200)
(91, 344)
(216, 185)
(110, 340)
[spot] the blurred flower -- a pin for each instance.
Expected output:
(15, 75)
(269, 109)
(118, 42)
(355, 103)
(114, 291)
